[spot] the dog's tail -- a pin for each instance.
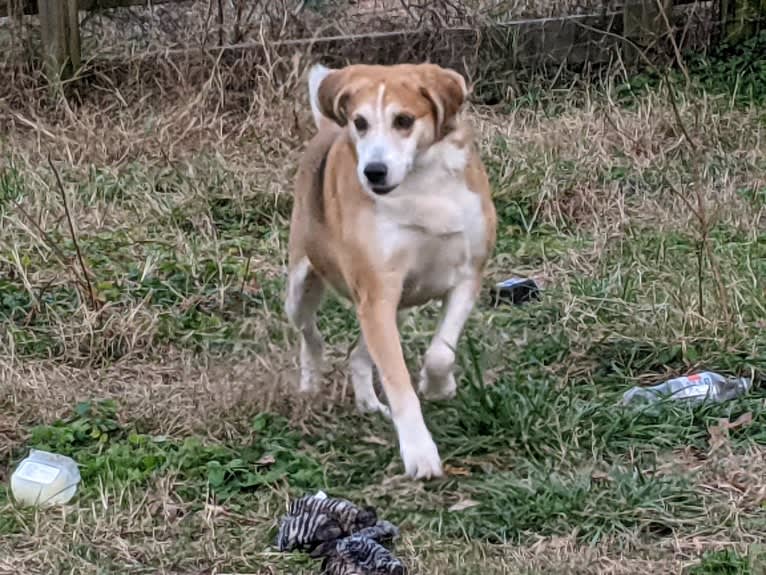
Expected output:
(316, 75)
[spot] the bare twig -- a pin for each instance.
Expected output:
(701, 274)
(220, 22)
(703, 248)
(52, 245)
(676, 113)
(672, 38)
(240, 6)
(245, 275)
(85, 272)
(206, 26)
(703, 238)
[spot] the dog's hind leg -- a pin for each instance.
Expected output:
(361, 368)
(304, 294)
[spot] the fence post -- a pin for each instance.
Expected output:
(644, 23)
(742, 19)
(73, 33)
(60, 30)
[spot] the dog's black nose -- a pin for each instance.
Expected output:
(376, 172)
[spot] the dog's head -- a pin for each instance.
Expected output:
(393, 114)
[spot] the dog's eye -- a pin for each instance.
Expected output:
(360, 124)
(403, 121)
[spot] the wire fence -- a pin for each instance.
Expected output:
(490, 41)
(194, 24)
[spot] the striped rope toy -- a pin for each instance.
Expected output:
(348, 538)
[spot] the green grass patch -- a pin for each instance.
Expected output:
(114, 456)
(736, 70)
(723, 562)
(513, 508)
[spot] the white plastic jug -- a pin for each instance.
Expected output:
(45, 478)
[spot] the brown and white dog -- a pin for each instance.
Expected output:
(392, 210)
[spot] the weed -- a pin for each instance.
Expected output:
(114, 456)
(735, 70)
(724, 562)
(511, 508)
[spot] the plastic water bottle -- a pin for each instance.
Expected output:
(45, 479)
(704, 386)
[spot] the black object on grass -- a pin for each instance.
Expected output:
(515, 290)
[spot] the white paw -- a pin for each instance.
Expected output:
(436, 378)
(437, 388)
(421, 459)
(372, 405)
(419, 453)
(309, 383)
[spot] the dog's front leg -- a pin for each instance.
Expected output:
(437, 380)
(377, 316)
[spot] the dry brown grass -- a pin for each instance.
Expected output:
(175, 139)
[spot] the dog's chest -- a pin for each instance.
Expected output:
(435, 234)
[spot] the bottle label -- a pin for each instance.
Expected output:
(37, 472)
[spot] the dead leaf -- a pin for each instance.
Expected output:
(463, 504)
(599, 475)
(457, 471)
(375, 440)
(719, 434)
(266, 460)
(742, 421)
(214, 510)
(173, 512)
(154, 507)
(251, 287)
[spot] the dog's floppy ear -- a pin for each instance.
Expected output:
(334, 92)
(447, 91)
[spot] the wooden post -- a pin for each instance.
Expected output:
(73, 33)
(10, 8)
(644, 23)
(742, 19)
(60, 30)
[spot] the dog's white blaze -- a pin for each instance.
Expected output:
(381, 113)
(381, 142)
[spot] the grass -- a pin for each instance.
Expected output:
(174, 392)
